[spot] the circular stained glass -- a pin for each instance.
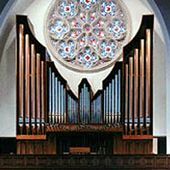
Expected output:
(86, 35)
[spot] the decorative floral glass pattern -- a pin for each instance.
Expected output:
(86, 34)
(66, 50)
(87, 57)
(108, 49)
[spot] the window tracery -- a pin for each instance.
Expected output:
(86, 34)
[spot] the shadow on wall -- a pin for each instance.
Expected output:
(8, 92)
(159, 89)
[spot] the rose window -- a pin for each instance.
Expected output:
(86, 34)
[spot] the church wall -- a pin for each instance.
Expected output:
(36, 11)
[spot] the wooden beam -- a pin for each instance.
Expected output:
(31, 137)
(137, 137)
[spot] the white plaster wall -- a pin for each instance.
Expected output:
(36, 11)
(8, 91)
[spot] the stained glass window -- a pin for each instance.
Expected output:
(86, 34)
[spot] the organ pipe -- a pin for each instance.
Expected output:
(138, 85)
(111, 96)
(56, 100)
(126, 98)
(49, 99)
(33, 87)
(119, 96)
(21, 77)
(142, 103)
(53, 97)
(42, 96)
(136, 88)
(113, 100)
(38, 93)
(31, 95)
(116, 101)
(96, 112)
(148, 78)
(104, 102)
(84, 101)
(27, 82)
(131, 93)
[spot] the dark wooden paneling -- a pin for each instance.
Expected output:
(135, 162)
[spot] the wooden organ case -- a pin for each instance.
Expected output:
(115, 120)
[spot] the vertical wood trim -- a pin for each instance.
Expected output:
(18, 147)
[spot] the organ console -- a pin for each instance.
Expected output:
(47, 106)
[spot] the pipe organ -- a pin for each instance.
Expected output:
(137, 81)
(112, 96)
(31, 77)
(72, 108)
(85, 101)
(47, 106)
(96, 111)
(56, 96)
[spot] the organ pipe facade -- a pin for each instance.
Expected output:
(112, 97)
(84, 102)
(56, 96)
(46, 104)
(137, 81)
(31, 78)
